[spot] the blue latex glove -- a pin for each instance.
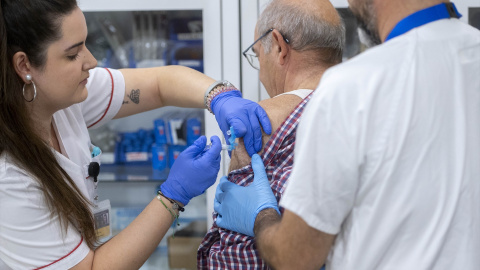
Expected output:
(194, 170)
(244, 115)
(238, 206)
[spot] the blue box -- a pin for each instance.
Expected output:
(173, 152)
(134, 147)
(194, 129)
(160, 131)
(159, 157)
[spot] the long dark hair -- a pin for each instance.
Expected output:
(31, 26)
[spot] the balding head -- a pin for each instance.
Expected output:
(322, 9)
(309, 25)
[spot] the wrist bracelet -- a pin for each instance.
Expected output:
(175, 204)
(172, 212)
(216, 89)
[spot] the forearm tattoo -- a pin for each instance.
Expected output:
(134, 97)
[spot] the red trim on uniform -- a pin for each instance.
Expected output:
(109, 103)
(81, 240)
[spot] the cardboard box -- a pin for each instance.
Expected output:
(182, 250)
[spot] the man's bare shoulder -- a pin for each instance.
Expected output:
(277, 109)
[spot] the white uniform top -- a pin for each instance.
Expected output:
(387, 155)
(29, 237)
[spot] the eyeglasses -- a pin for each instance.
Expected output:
(252, 57)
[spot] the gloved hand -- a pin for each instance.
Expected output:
(193, 171)
(238, 206)
(244, 115)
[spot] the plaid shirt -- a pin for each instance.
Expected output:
(224, 249)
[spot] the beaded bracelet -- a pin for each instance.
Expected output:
(216, 89)
(172, 212)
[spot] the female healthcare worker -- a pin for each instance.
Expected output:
(45, 150)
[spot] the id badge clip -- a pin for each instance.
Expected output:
(93, 169)
(101, 209)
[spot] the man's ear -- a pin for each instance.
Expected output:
(280, 46)
(22, 65)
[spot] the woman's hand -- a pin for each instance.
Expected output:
(245, 116)
(193, 171)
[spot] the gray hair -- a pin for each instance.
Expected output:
(304, 30)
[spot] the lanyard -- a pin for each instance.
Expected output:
(424, 16)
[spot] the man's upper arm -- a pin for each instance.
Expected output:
(277, 109)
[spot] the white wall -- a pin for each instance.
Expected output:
(463, 6)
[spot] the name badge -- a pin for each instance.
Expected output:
(101, 213)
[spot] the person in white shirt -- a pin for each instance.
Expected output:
(387, 156)
(50, 92)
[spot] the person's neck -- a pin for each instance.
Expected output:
(43, 125)
(389, 13)
(300, 77)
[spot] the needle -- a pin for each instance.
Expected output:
(224, 147)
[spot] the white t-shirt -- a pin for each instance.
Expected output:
(29, 237)
(301, 93)
(387, 154)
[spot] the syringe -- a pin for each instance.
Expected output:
(229, 147)
(224, 147)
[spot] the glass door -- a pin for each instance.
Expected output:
(136, 158)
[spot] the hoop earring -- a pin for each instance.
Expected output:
(34, 90)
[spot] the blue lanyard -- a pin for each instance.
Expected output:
(424, 16)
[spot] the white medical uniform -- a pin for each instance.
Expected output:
(387, 154)
(30, 238)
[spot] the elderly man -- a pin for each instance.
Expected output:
(386, 172)
(295, 42)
